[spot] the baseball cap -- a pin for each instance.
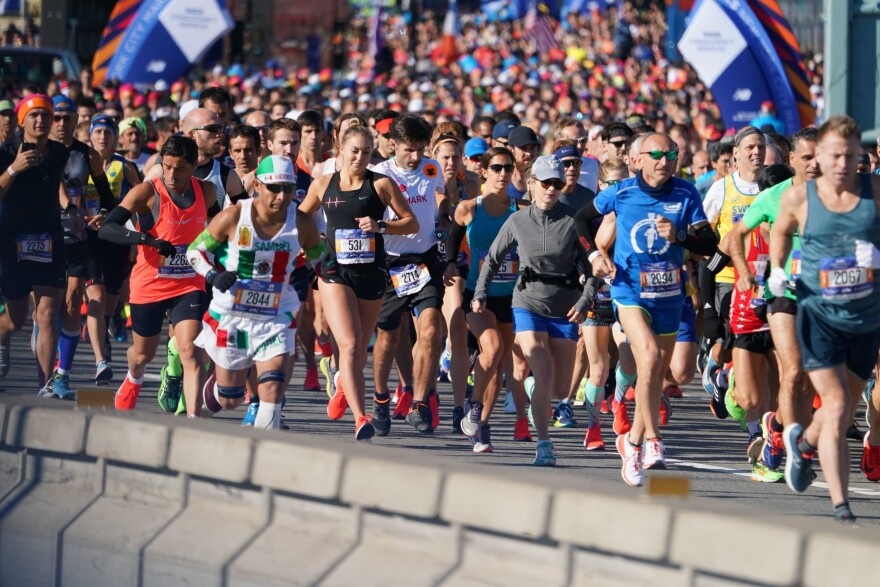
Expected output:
(132, 121)
(522, 136)
(63, 104)
(6, 106)
(276, 169)
(546, 168)
(502, 129)
(187, 107)
(475, 147)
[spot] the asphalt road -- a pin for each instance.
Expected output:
(711, 453)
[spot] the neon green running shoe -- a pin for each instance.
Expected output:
(762, 474)
(169, 391)
(580, 396)
(736, 412)
(326, 371)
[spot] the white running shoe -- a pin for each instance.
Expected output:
(631, 471)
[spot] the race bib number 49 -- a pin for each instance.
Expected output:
(176, 266)
(409, 280)
(842, 279)
(355, 246)
(659, 280)
(34, 247)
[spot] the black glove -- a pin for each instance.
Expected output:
(222, 280)
(591, 288)
(713, 325)
(165, 248)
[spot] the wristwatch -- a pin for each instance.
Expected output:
(382, 226)
(681, 236)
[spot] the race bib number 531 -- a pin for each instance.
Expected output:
(355, 246)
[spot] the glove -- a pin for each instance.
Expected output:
(165, 248)
(867, 255)
(713, 325)
(591, 290)
(222, 280)
(778, 281)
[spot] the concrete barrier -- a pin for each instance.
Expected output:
(107, 499)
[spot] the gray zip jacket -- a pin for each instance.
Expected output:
(547, 242)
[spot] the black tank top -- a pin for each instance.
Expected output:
(357, 249)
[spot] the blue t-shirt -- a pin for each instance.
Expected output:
(649, 268)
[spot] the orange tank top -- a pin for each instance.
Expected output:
(156, 278)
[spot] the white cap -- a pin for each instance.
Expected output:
(186, 108)
(294, 114)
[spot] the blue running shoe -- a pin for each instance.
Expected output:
(103, 373)
(798, 466)
(62, 387)
(545, 454)
(774, 448)
(251, 415)
(708, 377)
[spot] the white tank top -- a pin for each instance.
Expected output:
(419, 187)
(262, 291)
(217, 179)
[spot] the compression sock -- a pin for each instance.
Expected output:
(622, 381)
(754, 427)
(592, 403)
(175, 367)
(268, 417)
(67, 343)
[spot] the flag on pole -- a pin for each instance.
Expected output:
(449, 51)
(538, 29)
(377, 42)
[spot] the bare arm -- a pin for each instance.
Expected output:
(312, 201)
(391, 196)
(793, 200)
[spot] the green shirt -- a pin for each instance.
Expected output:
(765, 208)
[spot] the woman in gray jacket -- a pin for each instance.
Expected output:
(548, 304)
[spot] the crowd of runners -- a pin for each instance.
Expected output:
(562, 268)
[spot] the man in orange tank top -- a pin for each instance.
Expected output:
(171, 211)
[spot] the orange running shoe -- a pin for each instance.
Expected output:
(871, 460)
(604, 407)
(593, 439)
(817, 402)
(363, 429)
(665, 408)
(404, 406)
(127, 394)
(338, 404)
(630, 393)
(674, 391)
(311, 382)
(521, 432)
(622, 423)
(434, 403)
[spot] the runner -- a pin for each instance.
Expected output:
(838, 324)
(353, 278)
(133, 141)
(794, 401)
(481, 219)
(171, 212)
(244, 148)
(547, 306)
(249, 318)
(415, 282)
(31, 235)
(657, 211)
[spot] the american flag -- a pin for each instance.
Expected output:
(538, 28)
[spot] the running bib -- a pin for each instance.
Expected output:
(795, 266)
(176, 266)
(92, 205)
(355, 246)
(660, 280)
(508, 271)
(257, 298)
(603, 296)
(759, 268)
(34, 247)
(841, 279)
(409, 280)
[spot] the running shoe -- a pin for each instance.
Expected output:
(521, 432)
(434, 404)
(117, 327)
(708, 378)
(869, 390)
(563, 417)
(593, 438)
(328, 372)
(364, 429)
(853, 432)
(404, 405)
(469, 387)
(756, 443)
(181, 406)
(484, 443)
(396, 397)
(457, 417)
(381, 416)
(62, 387)
(603, 408)
(674, 391)
(665, 408)
(470, 425)
(870, 460)
(654, 454)
(721, 404)
(169, 390)
(48, 390)
(622, 423)
(545, 454)
(798, 466)
(845, 516)
(338, 404)
(630, 393)
(209, 400)
(104, 374)
(34, 334)
(631, 471)
(127, 395)
(764, 474)
(529, 388)
(773, 449)
(250, 416)
(5, 362)
(311, 382)
(580, 396)
(509, 404)
(420, 418)
(817, 402)
(445, 363)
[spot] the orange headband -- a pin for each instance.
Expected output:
(31, 102)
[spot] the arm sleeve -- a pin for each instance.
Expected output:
(114, 231)
(703, 242)
(583, 222)
(214, 209)
(453, 242)
(585, 301)
(502, 244)
(102, 185)
(200, 253)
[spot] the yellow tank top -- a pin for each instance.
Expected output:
(733, 207)
(118, 185)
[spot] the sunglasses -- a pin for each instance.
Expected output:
(502, 142)
(657, 155)
(551, 183)
(212, 128)
(65, 117)
(277, 188)
(610, 181)
(498, 168)
(475, 158)
(571, 163)
(618, 144)
(263, 129)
